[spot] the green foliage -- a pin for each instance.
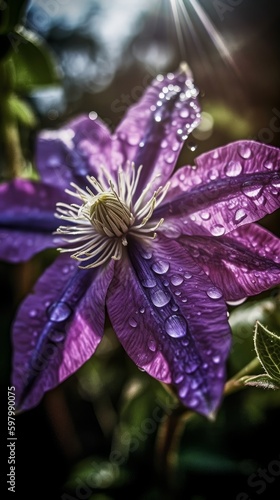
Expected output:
(34, 64)
(11, 11)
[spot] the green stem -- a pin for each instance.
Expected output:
(171, 429)
(233, 384)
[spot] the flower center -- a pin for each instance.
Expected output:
(106, 213)
(110, 216)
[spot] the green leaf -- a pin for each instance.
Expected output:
(262, 381)
(11, 14)
(33, 62)
(242, 320)
(21, 111)
(267, 346)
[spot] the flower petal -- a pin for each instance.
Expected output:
(242, 263)
(172, 321)
(232, 186)
(57, 328)
(27, 219)
(71, 153)
(154, 130)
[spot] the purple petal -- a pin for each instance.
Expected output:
(57, 328)
(71, 153)
(154, 130)
(172, 321)
(231, 186)
(27, 219)
(243, 263)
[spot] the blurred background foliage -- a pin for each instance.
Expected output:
(110, 431)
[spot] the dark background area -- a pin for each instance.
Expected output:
(105, 58)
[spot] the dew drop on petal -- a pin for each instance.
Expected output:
(176, 279)
(149, 283)
(160, 298)
(142, 310)
(152, 345)
(216, 359)
(147, 255)
(205, 216)
(179, 377)
(252, 191)
(215, 154)
(193, 402)
(240, 215)
(233, 168)
(183, 391)
(268, 165)
(160, 267)
(32, 313)
(59, 311)
(214, 293)
(244, 151)
(176, 326)
(192, 366)
(218, 230)
(132, 322)
(57, 336)
(187, 275)
(276, 182)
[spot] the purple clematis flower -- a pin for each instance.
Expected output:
(162, 251)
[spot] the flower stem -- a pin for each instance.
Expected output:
(172, 428)
(233, 384)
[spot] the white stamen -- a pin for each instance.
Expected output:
(107, 215)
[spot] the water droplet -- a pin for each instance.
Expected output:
(152, 345)
(192, 366)
(183, 391)
(176, 280)
(57, 336)
(205, 216)
(252, 191)
(184, 113)
(149, 283)
(268, 165)
(193, 402)
(133, 322)
(160, 267)
(147, 255)
(218, 230)
(216, 359)
(65, 269)
(160, 298)
(244, 151)
(214, 293)
(276, 181)
(192, 146)
(142, 310)
(178, 378)
(233, 168)
(133, 139)
(59, 311)
(194, 383)
(240, 215)
(169, 158)
(174, 307)
(187, 275)
(32, 313)
(176, 326)
(215, 154)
